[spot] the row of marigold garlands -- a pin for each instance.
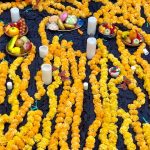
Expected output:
(105, 98)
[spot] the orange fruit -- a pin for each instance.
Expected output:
(12, 31)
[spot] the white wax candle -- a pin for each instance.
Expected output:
(43, 51)
(146, 52)
(92, 23)
(86, 85)
(91, 47)
(15, 15)
(9, 85)
(46, 73)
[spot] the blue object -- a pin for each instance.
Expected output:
(80, 23)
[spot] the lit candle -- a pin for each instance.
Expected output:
(46, 73)
(91, 47)
(15, 15)
(9, 85)
(91, 29)
(43, 51)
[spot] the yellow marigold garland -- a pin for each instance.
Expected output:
(3, 77)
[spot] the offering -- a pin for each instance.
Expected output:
(132, 38)
(64, 22)
(19, 46)
(114, 71)
(18, 28)
(108, 30)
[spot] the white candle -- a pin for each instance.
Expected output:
(46, 73)
(15, 15)
(92, 23)
(85, 85)
(43, 51)
(146, 52)
(9, 85)
(91, 47)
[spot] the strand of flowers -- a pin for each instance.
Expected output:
(28, 101)
(47, 5)
(145, 74)
(128, 140)
(142, 74)
(140, 95)
(3, 119)
(3, 78)
(52, 107)
(1, 28)
(42, 32)
(65, 94)
(25, 70)
(40, 92)
(39, 83)
(81, 10)
(108, 123)
(75, 142)
(113, 136)
(8, 5)
(146, 129)
(76, 87)
(90, 140)
(146, 10)
(67, 107)
(129, 10)
(24, 139)
(12, 99)
(33, 130)
(52, 99)
(3, 73)
(116, 63)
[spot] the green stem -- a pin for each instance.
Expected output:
(145, 120)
